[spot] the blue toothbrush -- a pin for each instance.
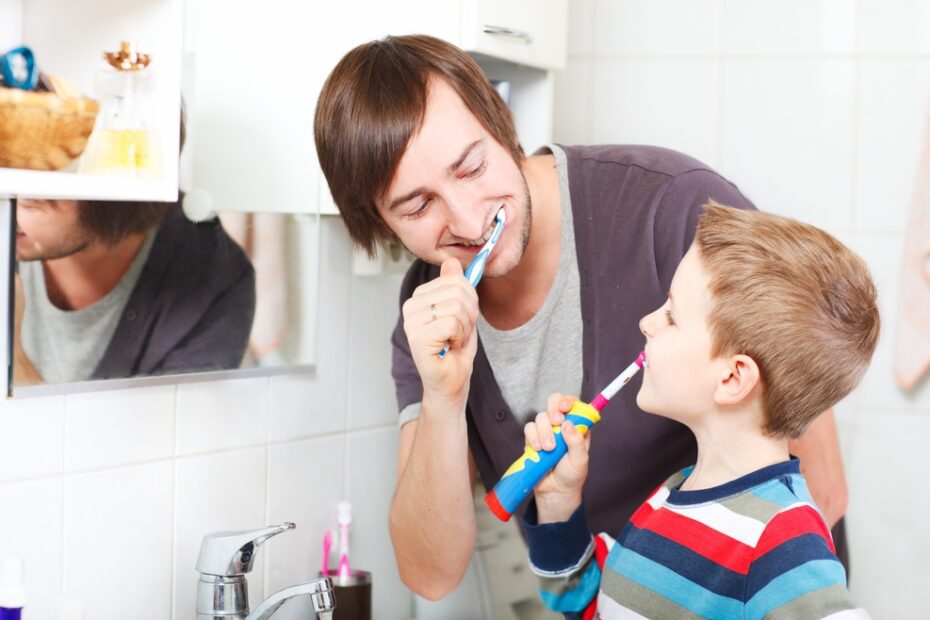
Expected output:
(476, 267)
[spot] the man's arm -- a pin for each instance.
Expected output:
(24, 371)
(432, 516)
(822, 466)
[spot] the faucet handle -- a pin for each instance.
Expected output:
(229, 554)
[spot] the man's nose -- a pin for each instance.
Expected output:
(466, 218)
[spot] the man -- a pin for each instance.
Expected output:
(416, 145)
(111, 290)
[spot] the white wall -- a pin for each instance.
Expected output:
(106, 495)
(816, 109)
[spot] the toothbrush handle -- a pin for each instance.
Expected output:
(520, 478)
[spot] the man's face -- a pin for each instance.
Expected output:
(46, 230)
(451, 182)
(679, 379)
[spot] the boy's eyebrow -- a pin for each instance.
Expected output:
(451, 169)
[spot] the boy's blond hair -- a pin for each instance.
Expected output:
(795, 300)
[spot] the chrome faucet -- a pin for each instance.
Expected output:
(222, 591)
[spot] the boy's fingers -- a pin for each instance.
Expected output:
(532, 437)
(544, 431)
(577, 445)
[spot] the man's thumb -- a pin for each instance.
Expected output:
(450, 267)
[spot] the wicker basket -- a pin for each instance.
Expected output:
(42, 130)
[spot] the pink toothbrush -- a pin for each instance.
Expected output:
(327, 545)
(344, 517)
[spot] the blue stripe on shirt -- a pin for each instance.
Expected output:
(794, 583)
(578, 597)
(672, 586)
(786, 556)
(687, 563)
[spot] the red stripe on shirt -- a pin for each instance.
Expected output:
(696, 536)
(791, 524)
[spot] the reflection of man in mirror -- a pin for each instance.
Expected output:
(110, 290)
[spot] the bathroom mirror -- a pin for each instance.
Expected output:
(104, 295)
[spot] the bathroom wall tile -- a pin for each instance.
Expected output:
(581, 28)
(30, 528)
(787, 136)
(222, 415)
(901, 27)
(370, 494)
(574, 103)
(660, 27)
(887, 516)
(306, 481)
(373, 314)
(670, 103)
(216, 492)
(119, 427)
(790, 27)
(31, 437)
(298, 408)
(891, 125)
(117, 541)
(878, 390)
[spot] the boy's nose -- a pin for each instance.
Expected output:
(644, 326)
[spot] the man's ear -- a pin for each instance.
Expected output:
(739, 377)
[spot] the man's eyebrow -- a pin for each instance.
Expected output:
(452, 168)
(463, 156)
(402, 199)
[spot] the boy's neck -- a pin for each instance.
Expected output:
(728, 451)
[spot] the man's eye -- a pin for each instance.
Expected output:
(476, 172)
(668, 317)
(420, 210)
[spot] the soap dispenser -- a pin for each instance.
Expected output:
(125, 140)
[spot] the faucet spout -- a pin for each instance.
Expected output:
(319, 590)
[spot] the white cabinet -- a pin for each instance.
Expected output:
(527, 32)
(253, 74)
(68, 38)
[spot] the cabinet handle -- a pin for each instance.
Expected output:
(511, 33)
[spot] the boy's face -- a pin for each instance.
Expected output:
(451, 182)
(679, 379)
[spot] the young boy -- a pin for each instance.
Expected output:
(768, 323)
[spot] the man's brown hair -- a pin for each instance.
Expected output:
(112, 221)
(795, 300)
(374, 101)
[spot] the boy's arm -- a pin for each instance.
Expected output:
(795, 573)
(563, 560)
(822, 466)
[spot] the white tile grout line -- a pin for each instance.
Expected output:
(174, 503)
(61, 483)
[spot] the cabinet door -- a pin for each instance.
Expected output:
(68, 38)
(254, 74)
(527, 32)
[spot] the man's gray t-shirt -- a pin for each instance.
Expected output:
(543, 355)
(67, 345)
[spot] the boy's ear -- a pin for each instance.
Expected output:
(740, 376)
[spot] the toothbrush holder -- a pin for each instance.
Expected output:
(352, 594)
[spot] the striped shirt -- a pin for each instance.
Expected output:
(755, 547)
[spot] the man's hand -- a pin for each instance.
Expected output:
(443, 310)
(558, 494)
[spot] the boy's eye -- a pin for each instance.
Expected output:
(668, 317)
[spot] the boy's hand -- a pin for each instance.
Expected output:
(558, 494)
